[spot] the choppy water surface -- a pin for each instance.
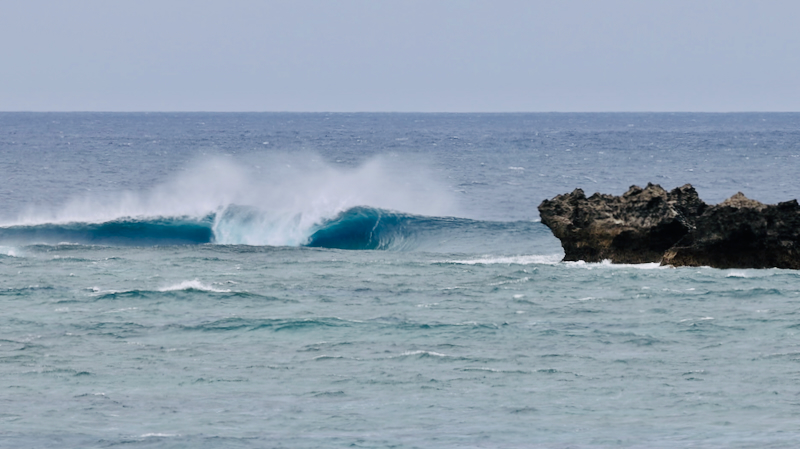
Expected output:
(279, 298)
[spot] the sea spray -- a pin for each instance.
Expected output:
(275, 199)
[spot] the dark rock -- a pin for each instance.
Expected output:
(634, 228)
(742, 233)
(675, 228)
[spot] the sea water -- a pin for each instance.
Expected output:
(379, 280)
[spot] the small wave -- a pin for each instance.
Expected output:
(421, 354)
(6, 251)
(117, 294)
(193, 285)
(705, 318)
(511, 281)
(491, 370)
(273, 324)
(327, 357)
(124, 309)
(494, 370)
(186, 286)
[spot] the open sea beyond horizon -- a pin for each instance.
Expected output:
(288, 280)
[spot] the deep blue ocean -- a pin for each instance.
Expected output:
(206, 280)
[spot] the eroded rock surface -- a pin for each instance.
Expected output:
(742, 233)
(637, 227)
(675, 228)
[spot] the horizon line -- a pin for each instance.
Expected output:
(376, 112)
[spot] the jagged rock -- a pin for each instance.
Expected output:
(634, 228)
(742, 233)
(675, 228)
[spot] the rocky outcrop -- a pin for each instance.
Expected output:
(675, 228)
(637, 227)
(742, 233)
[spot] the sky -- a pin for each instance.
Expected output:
(400, 56)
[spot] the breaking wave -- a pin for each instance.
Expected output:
(281, 200)
(356, 228)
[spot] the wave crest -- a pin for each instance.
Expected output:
(355, 228)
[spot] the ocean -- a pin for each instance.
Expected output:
(284, 280)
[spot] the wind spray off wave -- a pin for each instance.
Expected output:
(280, 200)
(283, 201)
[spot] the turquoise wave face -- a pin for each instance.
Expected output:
(121, 232)
(362, 228)
(357, 228)
(367, 228)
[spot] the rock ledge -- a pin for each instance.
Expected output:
(675, 228)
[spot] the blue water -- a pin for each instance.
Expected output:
(379, 280)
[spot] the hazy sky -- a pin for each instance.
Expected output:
(391, 55)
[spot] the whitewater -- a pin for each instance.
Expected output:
(378, 280)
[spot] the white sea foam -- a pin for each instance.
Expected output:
(512, 281)
(515, 260)
(97, 291)
(607, 264)
(705, 318)
(192, 285)
(491, 370)
(8, 251)
(125, 309)
(327, 357)
(551, 259)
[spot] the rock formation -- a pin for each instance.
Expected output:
(636, 227)
(742, 233)
(675, 228)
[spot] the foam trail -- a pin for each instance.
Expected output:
(608, 264)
